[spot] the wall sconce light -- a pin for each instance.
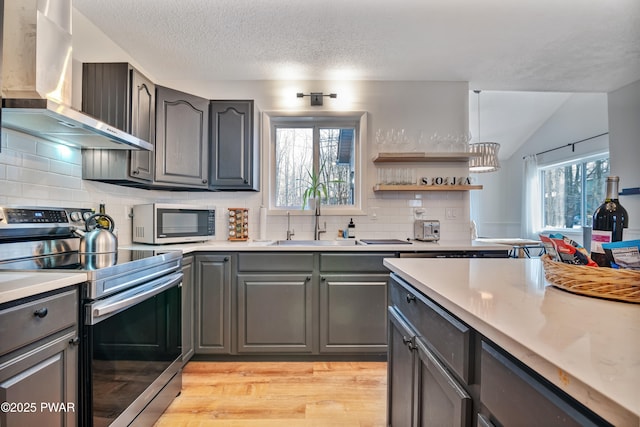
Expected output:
(316, 97)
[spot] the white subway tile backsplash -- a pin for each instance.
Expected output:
(31, 161)
(20, 142)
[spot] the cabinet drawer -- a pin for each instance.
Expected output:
(515, 396)
(354, 262)
(33, 320)
(446, 335)
(280, 262)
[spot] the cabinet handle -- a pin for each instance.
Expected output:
(41, 312)
(226, 259)
(412, 346)
(323, 278)
(204, 181)
(136, 172)
(246, 181)
(308, 278)
(410, 298)
(406, 340)
(74, 341)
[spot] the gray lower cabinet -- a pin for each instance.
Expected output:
(234, 156)
(182, 139)
(443, 372)
(275, 313)
(121, 96)
(188, 309)
(39, 361)
(213, 278)
(422, 392)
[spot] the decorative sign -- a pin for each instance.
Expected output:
(446, 180)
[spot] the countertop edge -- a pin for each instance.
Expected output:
(34, 283)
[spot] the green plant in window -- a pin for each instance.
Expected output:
(316, 187)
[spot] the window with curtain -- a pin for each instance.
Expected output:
(572, 191)
(323, 146)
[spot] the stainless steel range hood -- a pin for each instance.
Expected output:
(36, 79)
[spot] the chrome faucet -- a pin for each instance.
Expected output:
(290, 232)
(316, 229)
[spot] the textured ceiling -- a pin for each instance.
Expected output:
(526, 45)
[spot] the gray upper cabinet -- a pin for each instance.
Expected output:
(234, 156)
(119, 95)
(182, 144)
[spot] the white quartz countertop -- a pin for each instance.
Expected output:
(268, 246)
(16, 285)
(588, 347)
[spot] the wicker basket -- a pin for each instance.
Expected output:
(609, 283)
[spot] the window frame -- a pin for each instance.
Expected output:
(582, 161)
(271, 119)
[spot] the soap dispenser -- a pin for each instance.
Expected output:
(351, 230)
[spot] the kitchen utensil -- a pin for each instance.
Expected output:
(98, 240)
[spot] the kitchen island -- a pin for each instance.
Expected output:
(588, 348)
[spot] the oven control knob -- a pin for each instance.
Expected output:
(75, 216)
(86, 215)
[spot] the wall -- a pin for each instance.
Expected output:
(498, 208)
(35, 172)
(624, 133)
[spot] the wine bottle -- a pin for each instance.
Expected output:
(608, 221)
(102, 222)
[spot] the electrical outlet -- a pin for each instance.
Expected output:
(452, 213)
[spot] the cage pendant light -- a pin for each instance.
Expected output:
(486, 159)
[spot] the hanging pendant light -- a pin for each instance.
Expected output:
(487, 152)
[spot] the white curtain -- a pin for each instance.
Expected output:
(531, 200)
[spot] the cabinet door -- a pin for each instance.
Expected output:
(233, 160)
(401, 365)
(353, 313)
(188, 309)
(213, 304)
(515, 396)
(142, 124)
(182, 131)
(441, 399)
(275, 313)
(44, 375)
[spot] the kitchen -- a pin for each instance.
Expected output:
(432, 106)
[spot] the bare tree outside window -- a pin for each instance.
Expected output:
(572, 192)
(327, 151)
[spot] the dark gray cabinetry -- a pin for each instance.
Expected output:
(119, 95)
(234, 156)
(353, 302)
(39, 360)
(182, 139)
(514, 396)
(276, 300)
(188, 308)
(422, 392)
(213, 303)
(460, 378)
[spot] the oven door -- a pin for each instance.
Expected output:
(131, 350)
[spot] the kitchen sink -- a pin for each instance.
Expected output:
(351, 242)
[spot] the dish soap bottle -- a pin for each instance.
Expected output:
(351, 230)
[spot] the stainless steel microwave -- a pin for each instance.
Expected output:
(161, 223)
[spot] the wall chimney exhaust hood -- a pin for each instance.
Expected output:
(36, 80)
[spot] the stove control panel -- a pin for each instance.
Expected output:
(10, 216)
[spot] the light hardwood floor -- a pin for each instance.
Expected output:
(290, 394)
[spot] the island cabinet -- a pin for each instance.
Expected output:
(188, 308)
(425, 344)
(276, 299)
(443, 372)
(39, 360)
(121, 96)
(353, 301)
(182, 139)
(213, 279)
(234, 156)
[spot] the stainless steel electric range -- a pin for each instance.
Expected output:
(130, 364)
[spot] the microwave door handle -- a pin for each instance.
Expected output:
(105, 309)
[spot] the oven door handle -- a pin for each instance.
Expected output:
(104, 309)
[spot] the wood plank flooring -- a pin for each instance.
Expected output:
(270, 394)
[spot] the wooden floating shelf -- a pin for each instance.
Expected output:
(423, 157)
(388, 187)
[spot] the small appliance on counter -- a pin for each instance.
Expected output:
(426, 230)
(160, 223)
